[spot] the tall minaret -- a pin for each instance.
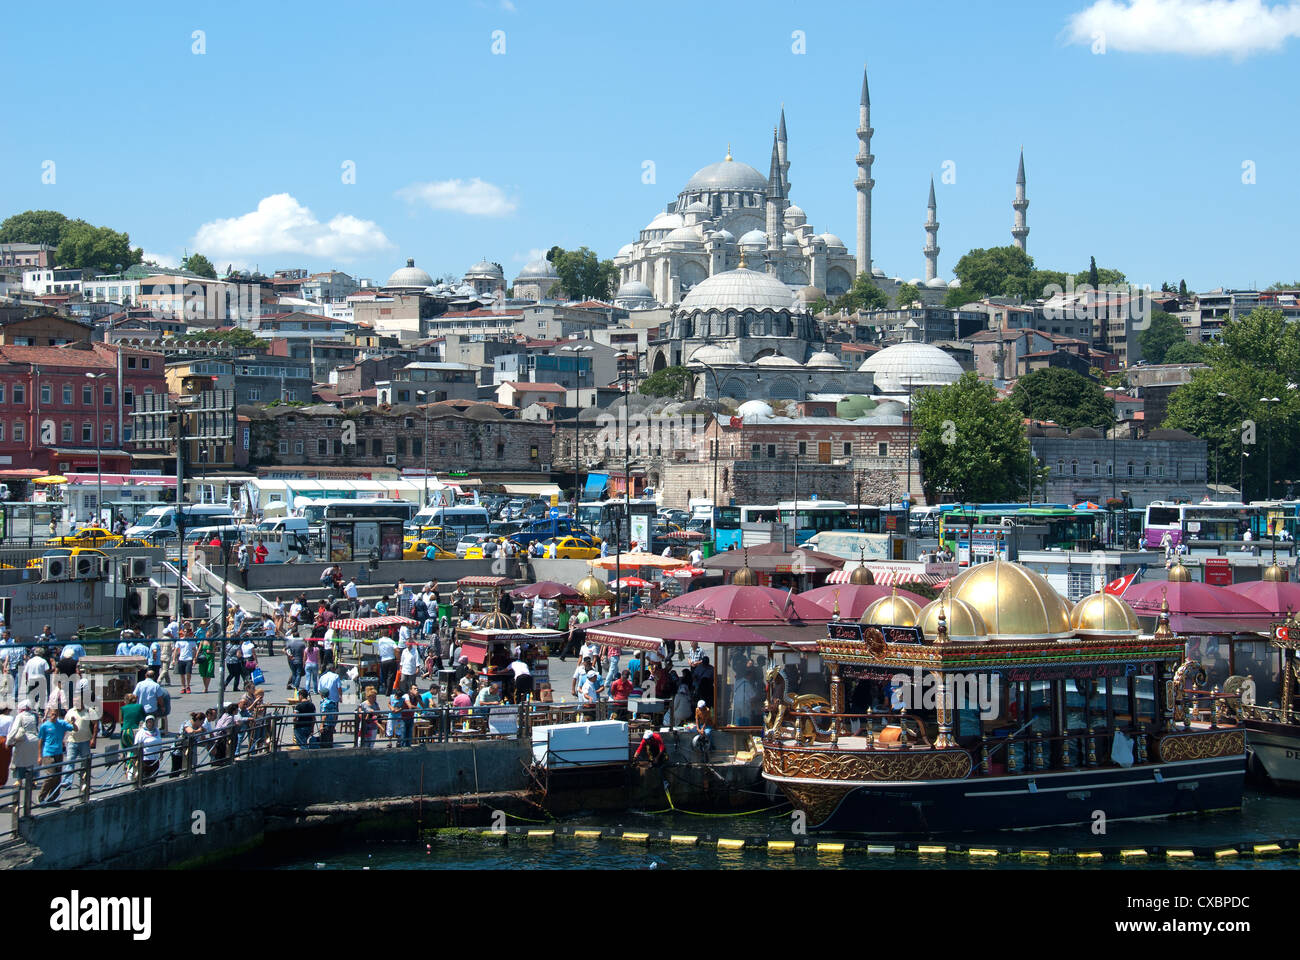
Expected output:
(864, 183)
(931, 237)
(782, 147)
(775, 206)
(1019, 230)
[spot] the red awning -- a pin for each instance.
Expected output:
(485, 582)
(355, 625)
(890, 578)
(474, 651)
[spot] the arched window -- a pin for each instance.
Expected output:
(1146, 471)
(1096, 469)
(1074, 468)
(1130, 468)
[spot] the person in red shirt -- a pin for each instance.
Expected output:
(651, 749)
(260, 552)
(620, 690)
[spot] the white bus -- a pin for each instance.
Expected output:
(1194, 523)
(459, 520)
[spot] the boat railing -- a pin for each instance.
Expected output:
(884, 731)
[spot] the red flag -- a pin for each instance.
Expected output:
(737, 422)
(1120, 587)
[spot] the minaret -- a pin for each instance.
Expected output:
(775, 207)
(782, 148)
(864, 183)
(931, 237)
(1019, 230)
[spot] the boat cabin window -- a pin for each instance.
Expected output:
(1213, 654)
(1262, 662)
(738, 686)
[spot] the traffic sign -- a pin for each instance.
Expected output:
(555, 513)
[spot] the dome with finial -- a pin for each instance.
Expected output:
(1104, 616)
(862, 575)
(1274, 573)
(497, 620)
(1179, 574)
(891, 611)
(409, 277)
(961, 621)
(591, 589)
(745, 577)
(1015, 602)
(726, 174)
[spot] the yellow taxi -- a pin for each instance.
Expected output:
(413, 548)
(572, 548)
(476, 552)
(96, 537)
(71, 552)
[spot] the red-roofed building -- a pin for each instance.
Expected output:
(520, 395)
(54, 417)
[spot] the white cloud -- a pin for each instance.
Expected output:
(1192, 27)
(537, 253)
(508, 6)
(282, 225)
(475, 197)
(162, 259)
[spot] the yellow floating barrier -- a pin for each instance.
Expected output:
(541, 834)
(636, 837)
(588, 834)
(682, 839)
(780, 846)
(730, 844)
(981, 852)
(882, 849)
(1035, 854)
(1226, 852)
(932, 851)
(1179, 855)
(1088, 854)
(1265, 849)
(830, 848)
(1131, 854)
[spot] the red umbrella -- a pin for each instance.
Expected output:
(854, 598)
(547, 590)
(1278, 598)
(686, 572)
(636, 583)
(1193, 600)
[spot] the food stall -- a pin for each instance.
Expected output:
(110, 678)
(361, 634)
(488, 648)
(480, 594)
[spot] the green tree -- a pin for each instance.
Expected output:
(865, 295)
(1164, 331)
(1093, 277)
(972, 446)
(1182, 288)
(1185, 352)
(988, 272)
(198, 263)
(1100, 277)
(238, 337)
(906, 296)
(1229, 404)
(1280, 285)
(675, 382)
(583, 275)
(34, 226)
(1064, 397)
(96, 248)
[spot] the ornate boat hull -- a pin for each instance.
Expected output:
(1276, 750)
(933, 792)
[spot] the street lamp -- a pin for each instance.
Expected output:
(94, 379)
(1268, 489)
(577, 408)
(425, 393)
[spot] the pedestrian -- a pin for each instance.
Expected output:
(304, 719)
(330, 688)
(242, 561)
(311, 665)
(146, 693)
(52, 734)
(130, 717)
(183, 656)
(368, 719)
(234, 666)
(6, 751)
(409, 703)
(36, 676)
(294, 652)
(523, 680)
(82, 740)
(409, 663)
(388, 664)
(703, 741)
(23, 740)
(150, 747)
(651, 749)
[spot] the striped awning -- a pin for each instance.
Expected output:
(361, 625)
(890, 578)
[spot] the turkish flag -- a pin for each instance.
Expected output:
(1120, 587)
(737, 422)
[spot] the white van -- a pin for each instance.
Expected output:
(160, 521)
(458, 520)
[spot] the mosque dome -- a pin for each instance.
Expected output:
(634, 290)
(726, 236)
(665, 221)
(686, 234)
(409, 276)
(626, 250)
(832, 241)
(484, 269)
(727, 174)
(903, 366)
(954, 283)
(877, 272)
(754, 408)
(794, 216)
(698, 207)
(961, 621)
(938, 283)
(1104, 615)
(916, 282)
(715, 356)
(1015, 602)
(823, 358)
(788, 239)
(539, 269)
(740, 289)
(755, 238)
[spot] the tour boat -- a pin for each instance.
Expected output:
(997, 705)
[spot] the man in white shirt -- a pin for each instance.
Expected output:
(667, 552)
(410, 663)
(697, 557)
(387, 651)
(146, 693)
(351, 590)
(523, 680)
(36, 676)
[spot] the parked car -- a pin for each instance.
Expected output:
(472, 540)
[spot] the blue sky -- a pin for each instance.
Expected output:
(1134, 155)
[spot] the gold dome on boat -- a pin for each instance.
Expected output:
(1179, 574)
(861, 575)
(1015, 602)
(744, 577)
(891, 611)
(962, 621)
(1104, 615)
(1275, 574)
(591, 589)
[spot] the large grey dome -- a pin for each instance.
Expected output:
(634, 290)
(740, 289)
(727, 174)
(540, 269)
(905, 366)
(485, 268)
(409, 276)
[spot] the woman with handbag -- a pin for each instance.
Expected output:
(204, 659)
(368, 721)
(23, 739)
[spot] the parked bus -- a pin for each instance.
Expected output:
(1195, 523)
(814, 517)
(160, 522)
(316, 512)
